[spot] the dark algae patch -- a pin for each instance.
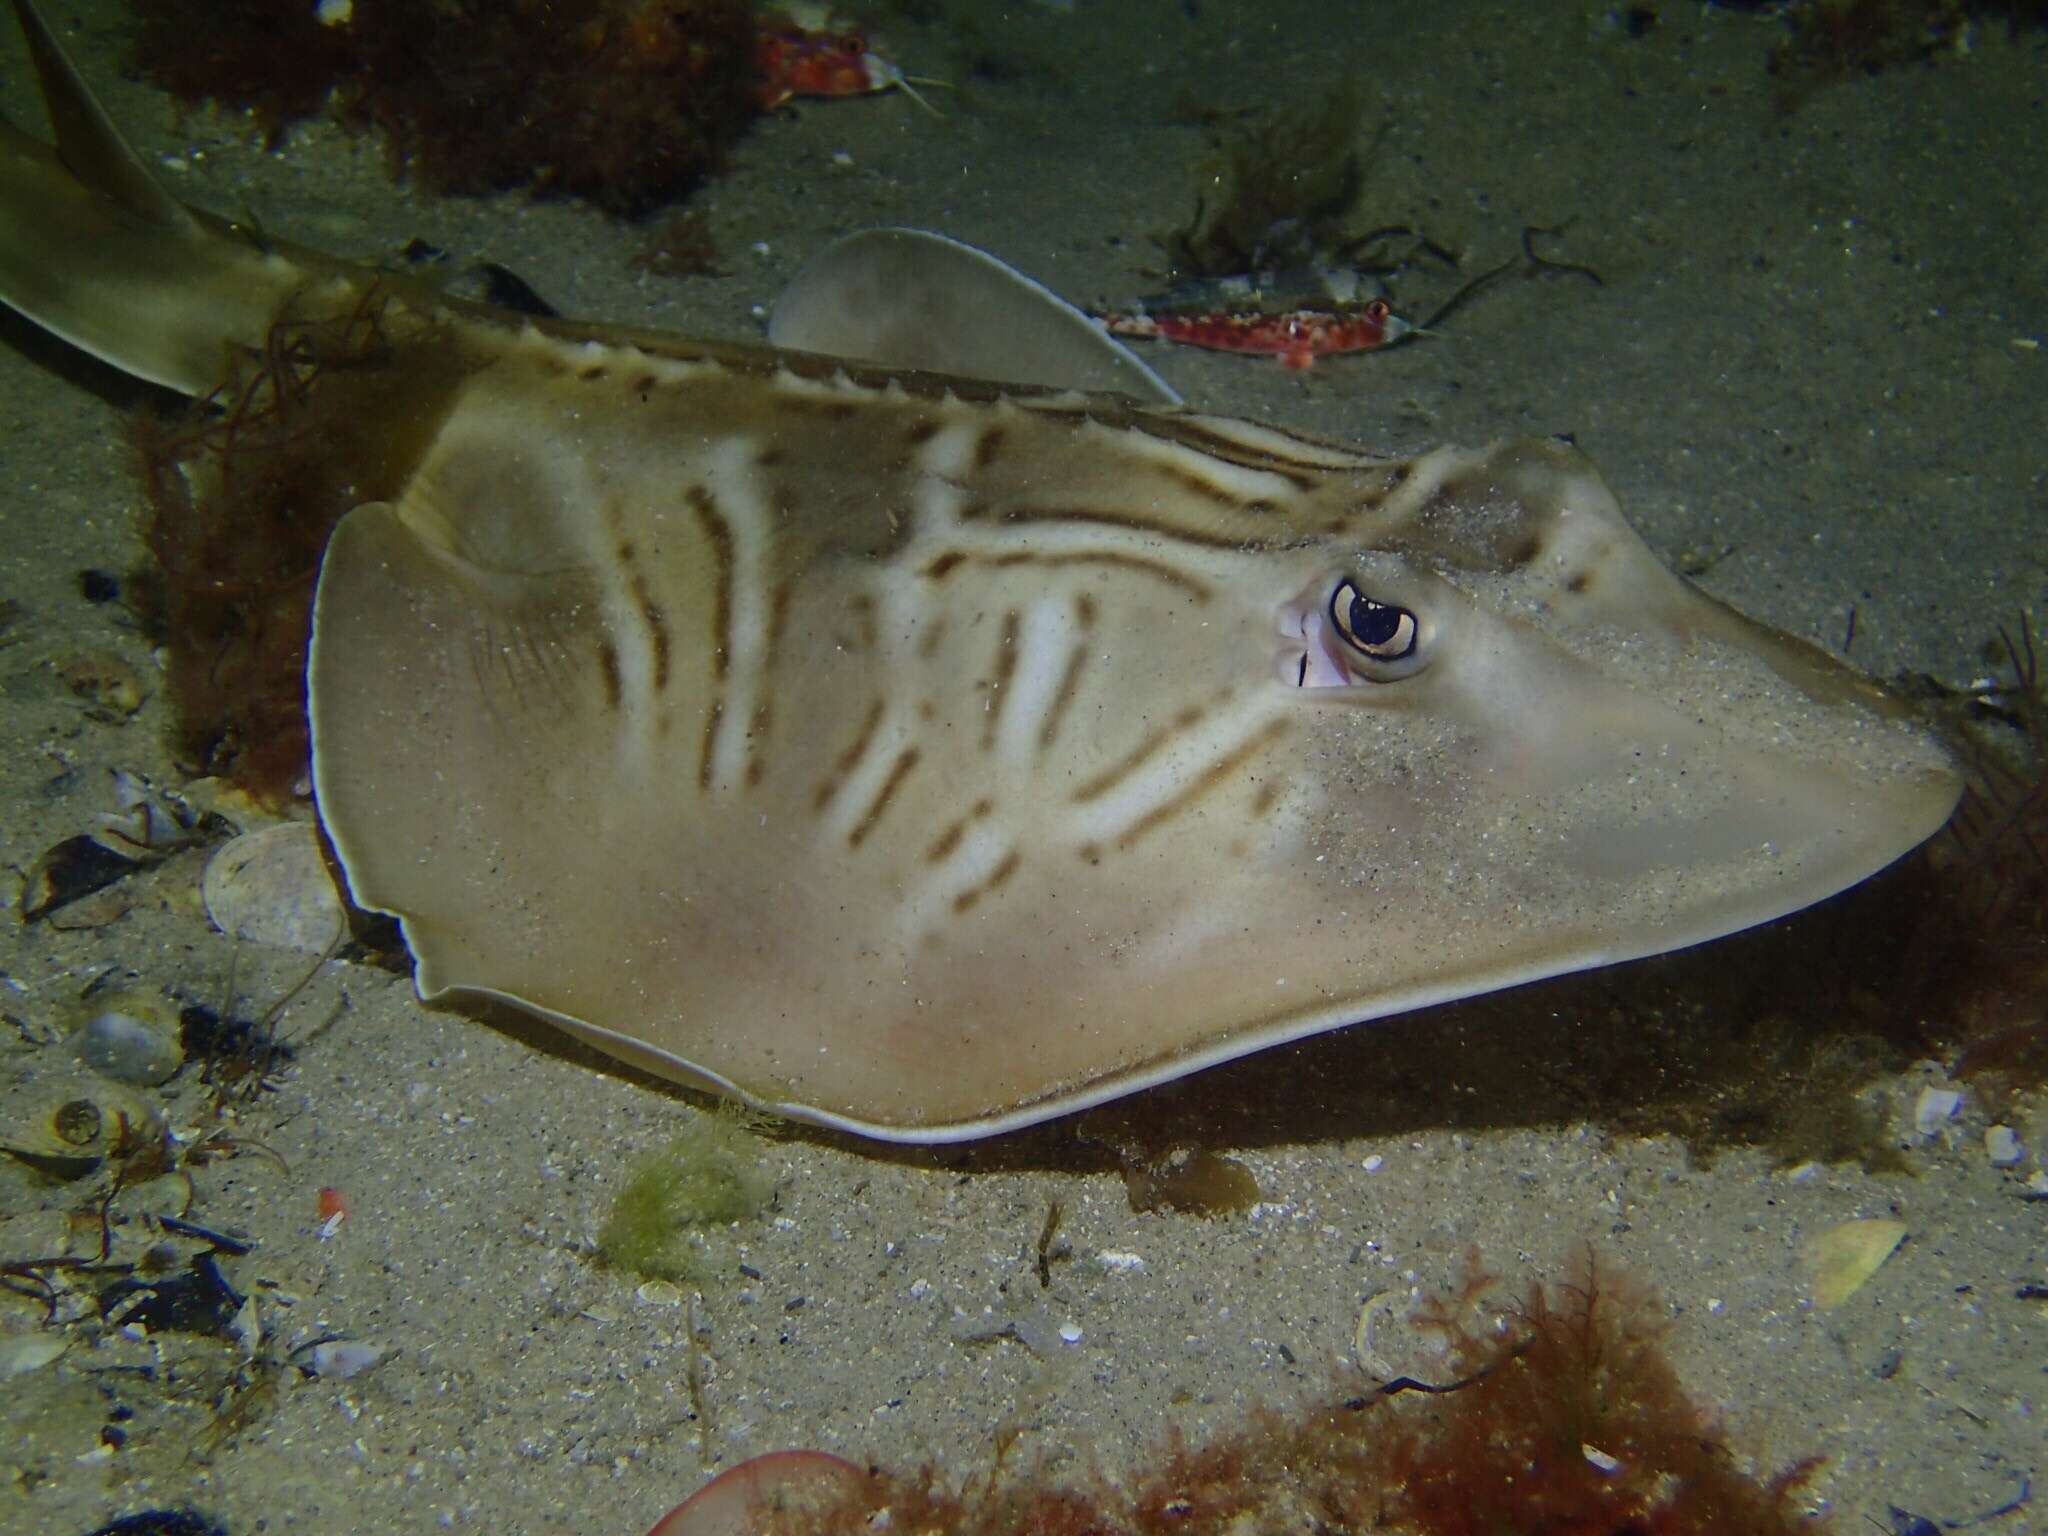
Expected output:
(1979, 961)
(1291, 175)
(625, 103)
(1831, 41)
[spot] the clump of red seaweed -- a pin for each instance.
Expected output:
(244, 490)
(1562, 1417)
(272, 59)
(1572, 1420)
(626, 103)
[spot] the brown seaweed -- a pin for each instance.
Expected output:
(1291, 175)
(1979, 959)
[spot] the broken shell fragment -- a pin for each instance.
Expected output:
(2003, 1146)
(149, 825)
(68, 872)
(152, 822)
(107, 684)
(342, 1359)
(1935, 1108)
(271, 886)
(1839, 1260)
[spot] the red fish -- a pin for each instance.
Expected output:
(804, 50)
(1297, 337)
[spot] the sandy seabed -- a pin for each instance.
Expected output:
(1816, 350)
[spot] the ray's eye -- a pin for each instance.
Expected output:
(1379, 630)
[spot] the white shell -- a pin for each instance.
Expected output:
(271, 886)
(342, 1359)
(131, 1037)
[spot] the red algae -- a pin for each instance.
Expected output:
(624, 103)
(273, 60)
(1560, 1417)
(627, 105)
(1572, 1421)
(244, 490)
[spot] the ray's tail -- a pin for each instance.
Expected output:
(95, 250)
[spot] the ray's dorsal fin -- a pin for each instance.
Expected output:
(907, 298)
(88, 143)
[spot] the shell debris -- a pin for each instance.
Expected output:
(1838, 1261)
(1934, 1109)
(1365, 1353)
(271, 886)
(73, 1126)
(343, 1359)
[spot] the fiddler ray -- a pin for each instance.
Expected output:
(924, 726)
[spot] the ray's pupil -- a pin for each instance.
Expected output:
(1373, 623)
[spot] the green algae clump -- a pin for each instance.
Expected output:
(707, 1177)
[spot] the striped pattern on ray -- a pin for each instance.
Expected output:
(896, 722)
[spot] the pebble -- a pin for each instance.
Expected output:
(1935, 1108)
(133, 1039)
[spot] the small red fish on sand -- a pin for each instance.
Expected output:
(1296, 336)
(806, 50)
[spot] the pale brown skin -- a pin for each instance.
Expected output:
(929, 757)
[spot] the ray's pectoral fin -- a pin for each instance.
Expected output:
(395, 584)
(496, 679)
